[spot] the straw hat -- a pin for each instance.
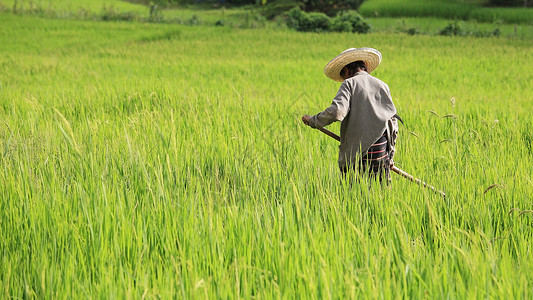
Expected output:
(370, 56)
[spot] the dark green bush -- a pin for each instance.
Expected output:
(273, 8)
(455, 29)
(351, 17)
(451, 29)
(511, 3)
(296, 19)
(155, 13)
(349, 21)
(110, 13)
(331, 8)
(318, 22)
(308, 22)
(278, 8)
(412, 31)
(242, 2)
(341, 26)
(194, 20)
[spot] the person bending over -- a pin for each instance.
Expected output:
(364, 107)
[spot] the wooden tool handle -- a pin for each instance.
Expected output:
(393, 168)
(331, 134)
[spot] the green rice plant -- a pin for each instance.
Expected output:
(418, 8)
(445, 9)
(117, 10)
(452, 29)
(432, 26)
(74, 5)
(506, 15)
(169, 161)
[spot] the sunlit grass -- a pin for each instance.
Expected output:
(118, 10)
(74, 5)
(170, 161)
(433, 26)
(446, 9)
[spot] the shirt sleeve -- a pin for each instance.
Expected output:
(337, 111)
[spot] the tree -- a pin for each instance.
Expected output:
(510, 3)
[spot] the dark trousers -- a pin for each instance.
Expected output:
(375, 163)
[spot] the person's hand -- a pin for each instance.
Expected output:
(305, 119)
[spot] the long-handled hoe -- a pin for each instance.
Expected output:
(393, 168)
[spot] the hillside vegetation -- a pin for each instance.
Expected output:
(448, 9)
(433, 17)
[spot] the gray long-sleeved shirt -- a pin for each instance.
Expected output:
(364, 106)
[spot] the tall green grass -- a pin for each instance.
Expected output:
(470, 10)
(152, 160)
(418, 8)
(73, 5)
(503, 15)
(118, 10)
(433, 26)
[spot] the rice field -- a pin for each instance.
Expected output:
(146, 160)
(473, 10)
(119, 10)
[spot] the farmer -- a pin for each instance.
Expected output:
(364, 106)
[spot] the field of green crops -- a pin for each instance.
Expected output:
(450, 9)
(169, 161)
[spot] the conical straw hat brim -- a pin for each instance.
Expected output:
(370, 56)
